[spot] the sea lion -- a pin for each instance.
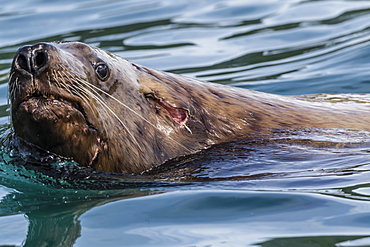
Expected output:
(117, 116)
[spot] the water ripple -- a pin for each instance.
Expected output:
(290, 47)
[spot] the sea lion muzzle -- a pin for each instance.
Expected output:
(46, 114)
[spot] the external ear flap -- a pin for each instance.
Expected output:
(145, 90)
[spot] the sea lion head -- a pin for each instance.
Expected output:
(82, 102)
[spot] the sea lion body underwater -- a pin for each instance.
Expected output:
(116, 116)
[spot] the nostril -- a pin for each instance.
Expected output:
(32, 59)
(40, 59)
(23, 63)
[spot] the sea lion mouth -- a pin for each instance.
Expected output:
(38, 103)
(58, 124)
(40, 110)
(51, 108)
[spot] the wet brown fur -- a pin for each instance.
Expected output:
(141, 132)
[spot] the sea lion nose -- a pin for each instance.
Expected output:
(32, 58)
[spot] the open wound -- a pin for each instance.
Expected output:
(179, 115)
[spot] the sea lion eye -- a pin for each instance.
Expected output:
(102, 71)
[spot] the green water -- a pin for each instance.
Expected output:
(264, 195)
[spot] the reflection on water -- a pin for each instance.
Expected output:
(304, 189)
(187, 218)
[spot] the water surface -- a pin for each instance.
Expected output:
(280, 194)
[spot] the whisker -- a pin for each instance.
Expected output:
(13, 88)
(79, 91)
(107, 108)
(84, 93)
(93, 87)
